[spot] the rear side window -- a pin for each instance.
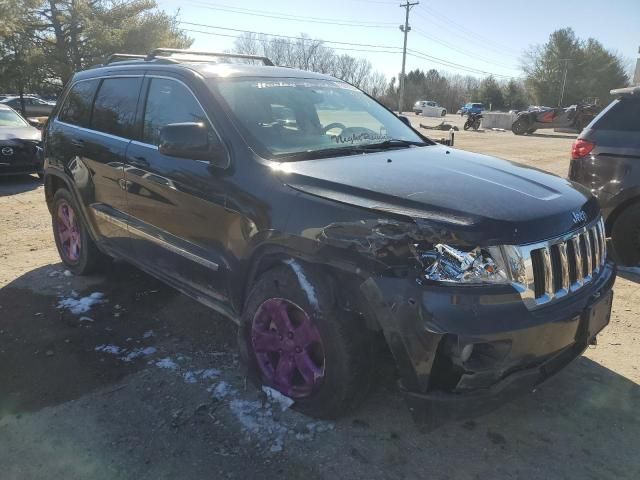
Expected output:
(115, 107)
(168, 102)
(77, 106)
(624, 115)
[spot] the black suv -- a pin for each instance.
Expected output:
(319, 222)
(606, 159)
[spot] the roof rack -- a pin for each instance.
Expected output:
(118, 57)
(626, 91)
(158, 52)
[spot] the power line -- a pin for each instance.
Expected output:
(299, 38)
(294, 18)
(373, 48)
(462, 30)
(424, 56)
(464, 52)
(289, 36)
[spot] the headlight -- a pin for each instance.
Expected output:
(444, 263)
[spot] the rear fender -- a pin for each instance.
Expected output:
(55, 179)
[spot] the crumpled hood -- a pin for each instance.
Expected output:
(474, 198)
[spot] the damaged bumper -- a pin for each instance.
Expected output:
(462, 351)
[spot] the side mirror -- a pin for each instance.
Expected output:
(185, 140)
(405, 120)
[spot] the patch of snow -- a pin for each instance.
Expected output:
(137, 353)
(190, 377)
(112, 349)
(148, 334)
(86, 319)
(210, 373)
(304, 282)
(166, 363)
(223, 389)
(81, 305)
(277, 398)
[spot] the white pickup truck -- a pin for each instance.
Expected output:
(429, 109)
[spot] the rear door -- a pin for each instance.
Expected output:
(93, 140)
(176, 206)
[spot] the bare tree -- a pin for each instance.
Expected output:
(309, 54)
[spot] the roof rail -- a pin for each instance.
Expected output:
(626, 91)
(157, 52)
(118, 57)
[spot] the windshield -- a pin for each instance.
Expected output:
(293, 117)
(9, 118)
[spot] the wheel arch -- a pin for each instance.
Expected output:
(55, 180)
(344, 282)
(621, 207)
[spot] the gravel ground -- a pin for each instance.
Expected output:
(146, 384)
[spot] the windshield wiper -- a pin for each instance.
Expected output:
(352, 149)
(392, 143)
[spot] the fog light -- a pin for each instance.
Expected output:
(466, 352)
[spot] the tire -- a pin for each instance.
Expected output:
(467, 125)
(77, 250)
(337, 344)
(531, 130)
(625, 236)
(443, 113)
(476, 125)
(518, 127)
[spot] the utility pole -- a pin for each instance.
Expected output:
(564, 79)
(404, 28)
(636, 75)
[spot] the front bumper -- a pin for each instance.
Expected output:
(430, 328)
(20, 158)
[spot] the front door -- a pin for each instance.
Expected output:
(176, 206)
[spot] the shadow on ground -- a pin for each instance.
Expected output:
(12, 185)
(552, 135)
(49, 354)
(583, 423)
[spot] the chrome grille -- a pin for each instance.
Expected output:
(549, 270)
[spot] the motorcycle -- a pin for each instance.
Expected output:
(575, 117)
(473, 121)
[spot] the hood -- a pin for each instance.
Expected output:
(475, 198)
(20, 133)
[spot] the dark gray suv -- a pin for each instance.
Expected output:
(606, 159)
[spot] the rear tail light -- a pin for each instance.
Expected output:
(581, 148)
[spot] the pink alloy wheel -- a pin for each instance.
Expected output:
(288, 348)
(68, 232)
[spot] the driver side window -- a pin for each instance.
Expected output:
(168, 101)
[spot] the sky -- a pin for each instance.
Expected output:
(461, 36)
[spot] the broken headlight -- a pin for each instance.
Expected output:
(444, 263)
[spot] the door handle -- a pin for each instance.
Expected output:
(139, 162)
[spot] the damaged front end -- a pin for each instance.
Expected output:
(456, 317)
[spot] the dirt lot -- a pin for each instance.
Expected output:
(146, 382)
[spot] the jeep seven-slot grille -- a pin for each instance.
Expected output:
(563, 266)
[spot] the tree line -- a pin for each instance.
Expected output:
(43, 42)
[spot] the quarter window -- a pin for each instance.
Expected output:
(623, 116)
(77, 106)
(168, 102)
(115, 107)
